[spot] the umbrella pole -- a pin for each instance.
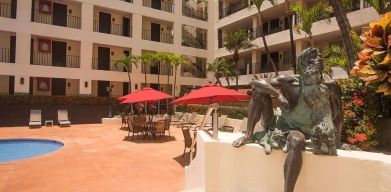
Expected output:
(214, 121)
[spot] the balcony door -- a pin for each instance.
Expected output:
(11, 85)
(13, 8)
(103, 58)
(60, 14)
(156, 4)
(12, 48)
(126, 27)
(125, 88)
(102, 91)
(155, 32)
(59, 53)
(104, 22)
(58, 86)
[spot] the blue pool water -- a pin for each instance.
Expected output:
(14, 149)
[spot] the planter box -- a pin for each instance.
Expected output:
(219, 166)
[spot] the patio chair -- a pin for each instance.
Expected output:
(63, 119)
(160, 128)
(136, 125)
(124, 121)
(167, 123)
(35, 118)
(189, 141)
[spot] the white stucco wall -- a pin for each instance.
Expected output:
(219, 166)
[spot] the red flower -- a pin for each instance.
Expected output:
(352, 140)
(361, 137)
(358, 102)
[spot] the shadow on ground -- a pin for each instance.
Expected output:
(183, 160)
(149, 139)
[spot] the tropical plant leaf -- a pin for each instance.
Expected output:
(384, 87)
(368, 70)
(375, 42)
(378, 56)
(386, 59)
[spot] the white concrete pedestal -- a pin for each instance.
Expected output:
(219, 166)
(112, 121)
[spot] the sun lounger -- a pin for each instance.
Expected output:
(63, 119)
(35, 118)
(243, 125)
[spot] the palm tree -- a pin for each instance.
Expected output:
(339, 8)
(164, 57)
(126, 62)
(176, 61)
(381, 6)
(258, 5)
(309, 16)
(290, 25)
(221, 68)
(235, 41)
(147, 59)
(216, 68)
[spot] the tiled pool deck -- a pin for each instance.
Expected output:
(96, 157)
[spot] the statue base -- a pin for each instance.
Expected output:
(219, 166)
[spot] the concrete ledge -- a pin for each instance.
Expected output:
(112, 121)
(220, 167)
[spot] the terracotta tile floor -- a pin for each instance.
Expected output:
(96, 157)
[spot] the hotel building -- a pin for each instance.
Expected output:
(68, 47)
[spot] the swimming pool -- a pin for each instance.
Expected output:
(15, 149)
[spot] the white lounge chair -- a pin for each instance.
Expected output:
(35, 118)
(63, 119)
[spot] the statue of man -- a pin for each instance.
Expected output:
(310, 108)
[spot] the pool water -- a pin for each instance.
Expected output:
(15, 149)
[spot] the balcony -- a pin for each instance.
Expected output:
(128, 1)
(193, 13)
(48, 18)
(98, 64)
(156, 68)
(194, 37)
(284, 65)
(114, 29)
(7, 10)
(7, 55)
(159, 5)
(46, 59)
(233, 8)
(158, 36)
(196, 69)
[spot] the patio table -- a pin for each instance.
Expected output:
(150, 129)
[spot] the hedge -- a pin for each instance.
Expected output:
(231, 112)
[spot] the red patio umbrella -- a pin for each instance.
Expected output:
(145, 95)
(211, 93)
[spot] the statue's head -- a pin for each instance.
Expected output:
(311, 66)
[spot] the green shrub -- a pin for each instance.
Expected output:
(231, 112)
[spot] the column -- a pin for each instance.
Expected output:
(256, 61)
(177, 34)
(137, 26)
(23, 10)
(177, 7)
(22, 59)
(86, 55)
(22, 84)
(85, 86)
(87, 16)
(255, 26)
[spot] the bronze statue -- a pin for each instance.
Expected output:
(310, 108)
